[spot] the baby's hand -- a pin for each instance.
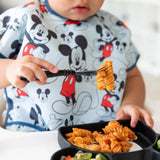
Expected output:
(29, 67)
(134, 113)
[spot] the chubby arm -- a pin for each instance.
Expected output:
(28, 66)
(132, 105)
(3, 74)
(135, 88)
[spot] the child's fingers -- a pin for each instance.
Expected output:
(32, 68)
(134, 119)
(135, 113)
(37, 72)
(146, 118)
(26, 73)
(129, 112)
(19, 83)
(142, 115)
(120, 115)
(45, 64)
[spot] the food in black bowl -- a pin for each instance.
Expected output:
(75, 154)
(145, 136)
(142, 148)
(112, 138)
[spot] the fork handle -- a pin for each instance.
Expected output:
(60, 73)
(50, 74)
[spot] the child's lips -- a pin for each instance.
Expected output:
(81, 9)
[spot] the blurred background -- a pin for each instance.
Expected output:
(143, 18)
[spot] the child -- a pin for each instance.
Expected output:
(67, 34)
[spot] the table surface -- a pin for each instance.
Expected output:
(31, 146)
(27, 146)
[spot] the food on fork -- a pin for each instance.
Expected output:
(105, 78)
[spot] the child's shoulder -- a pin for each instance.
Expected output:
(107, 16)
(109, 21)
(105, 13)
(112, 21)
(22, 9)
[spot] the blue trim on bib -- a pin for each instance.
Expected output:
(25, 124)
(50, 10)
(9, 106)
(133, 64)
(2, 56)
(18, 122)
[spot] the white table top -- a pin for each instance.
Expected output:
(32, 146)
(27, 146)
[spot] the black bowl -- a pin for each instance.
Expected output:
(146, 139)
(72, 151)
(145, 135)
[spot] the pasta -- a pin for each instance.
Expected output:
(112, 139)
(105, 78)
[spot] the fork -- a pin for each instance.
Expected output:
(70, 72)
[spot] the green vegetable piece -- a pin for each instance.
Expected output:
(83, 156)
(63, 157)
(158, 144)
(100, 157)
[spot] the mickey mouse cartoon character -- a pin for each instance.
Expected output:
(36, 116)
(67, 37)
(42, 6)
(38, 36)
(105, 41)
(111, 98)
(43, 94)
(4, 25)
(77, 61)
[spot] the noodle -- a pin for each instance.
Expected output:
(105, 78)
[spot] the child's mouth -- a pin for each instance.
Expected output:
(81, 10)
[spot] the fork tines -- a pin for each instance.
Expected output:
(102, 68)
